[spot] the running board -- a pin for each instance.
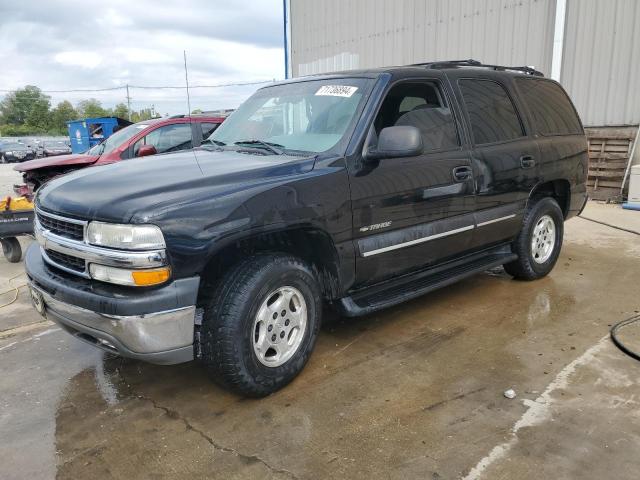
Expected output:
(400, 290)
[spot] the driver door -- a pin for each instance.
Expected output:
(417, 211)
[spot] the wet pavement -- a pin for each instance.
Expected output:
(411, 392)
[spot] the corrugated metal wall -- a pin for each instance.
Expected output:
(329, 35)
(601, 60)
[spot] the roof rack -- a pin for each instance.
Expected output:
(476, 63)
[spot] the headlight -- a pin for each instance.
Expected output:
(126, 237)
(121, 276)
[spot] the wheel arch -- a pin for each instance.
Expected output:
(559, 189)
(311, 244)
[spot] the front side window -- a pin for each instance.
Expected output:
(550, 107)
(308, 116)
(420, 105)
(492, 115)
(169, 138)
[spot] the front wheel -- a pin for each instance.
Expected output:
(261, 324)
(539, 242)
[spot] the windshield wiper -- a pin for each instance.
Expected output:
(217, 144)
(272, 147)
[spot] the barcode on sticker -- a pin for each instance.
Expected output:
(337, 90)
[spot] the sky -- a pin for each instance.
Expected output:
(71, 44)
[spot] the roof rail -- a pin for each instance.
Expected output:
(476, 63)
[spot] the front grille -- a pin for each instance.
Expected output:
(68, 261)
(60, 227)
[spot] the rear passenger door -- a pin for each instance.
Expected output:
(505, 159)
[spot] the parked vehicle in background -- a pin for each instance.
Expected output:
(360, 189)
(52, 148)
(149, 137)
(13, 152)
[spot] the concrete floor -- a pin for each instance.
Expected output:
(412, 392)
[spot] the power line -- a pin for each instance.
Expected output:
(145, 87)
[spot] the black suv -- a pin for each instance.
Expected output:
(360, 190)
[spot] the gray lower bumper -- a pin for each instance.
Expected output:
(164, 337)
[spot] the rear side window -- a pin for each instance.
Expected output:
(550, 107)
(492, 114)
(208, 129)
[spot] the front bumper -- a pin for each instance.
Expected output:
(154, 325)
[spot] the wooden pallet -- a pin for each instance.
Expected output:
(609, 150)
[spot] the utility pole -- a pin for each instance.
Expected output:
(128, 103)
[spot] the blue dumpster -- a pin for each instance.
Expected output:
(88, 132)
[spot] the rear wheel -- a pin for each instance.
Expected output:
(11, 249)
(539, 242)
(261, 324)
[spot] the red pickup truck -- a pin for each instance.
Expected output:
(149, 137)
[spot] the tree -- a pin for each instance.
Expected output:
(141, 115)
(121, 111)
(25, 106)
(196, 111)
(91, 108)
(62, 114)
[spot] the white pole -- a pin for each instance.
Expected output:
(558, 39)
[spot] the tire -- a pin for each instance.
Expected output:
(11, 249)
(231, 327)
(536, 260)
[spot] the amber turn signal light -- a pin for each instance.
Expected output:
(144, 278)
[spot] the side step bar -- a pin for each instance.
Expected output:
(397, 291)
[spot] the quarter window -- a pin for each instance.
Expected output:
(550, 107)
(492, 114)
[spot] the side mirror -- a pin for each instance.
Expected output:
(146, 150)
(395, 142)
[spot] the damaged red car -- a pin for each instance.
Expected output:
(141, 139)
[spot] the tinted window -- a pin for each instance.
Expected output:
(208, 129)
(169, 138)
(492, 114)
(550, 107)
(420, 105)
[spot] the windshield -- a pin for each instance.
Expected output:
(117, 139)
(13, 146)
(308, 116)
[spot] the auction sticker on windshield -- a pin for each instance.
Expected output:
(337, 90)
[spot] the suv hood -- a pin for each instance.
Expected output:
(139, 189)
(58, 161)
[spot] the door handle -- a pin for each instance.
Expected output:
(462, 174)
(527, 161)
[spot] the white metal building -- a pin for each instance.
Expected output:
(591, 46)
